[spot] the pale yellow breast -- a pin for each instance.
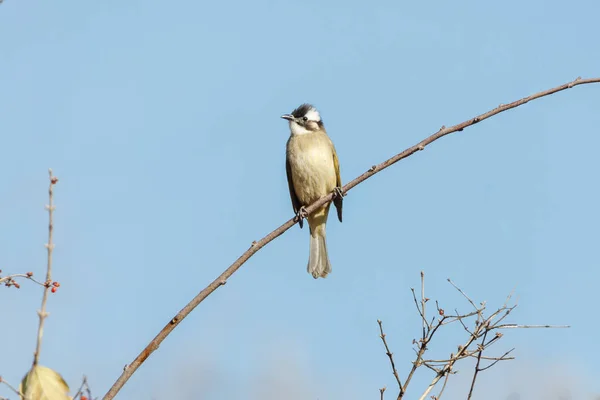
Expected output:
(311, 162)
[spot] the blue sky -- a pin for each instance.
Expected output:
(162, 122)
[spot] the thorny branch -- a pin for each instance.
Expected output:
(221, 280)
(485, 325)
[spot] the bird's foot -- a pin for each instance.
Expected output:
(338, 192)
(301, 215)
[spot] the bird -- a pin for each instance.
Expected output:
(313, 171)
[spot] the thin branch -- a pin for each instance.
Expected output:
(389, 354)
(84, 385)
(464, 294)
(448, 367)
(460, 319)
(481, 348)
(443, 387)
(256, 246)
(381, 392)
(501, 358)
(9, 279)
(50, 246)
(417, 303)
(423, 306)
(516, 326)
(11, 387)
(497, 359)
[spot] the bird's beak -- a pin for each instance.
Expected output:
(289, 117)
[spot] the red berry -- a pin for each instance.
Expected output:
(53, 290)
(55, 284)
(17, 285)
(83, 398)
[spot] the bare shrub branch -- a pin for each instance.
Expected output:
(486, 326)
(130, 369)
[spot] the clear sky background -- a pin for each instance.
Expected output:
(161, 120)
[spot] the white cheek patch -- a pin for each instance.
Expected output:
(313, 115)
(297, 129)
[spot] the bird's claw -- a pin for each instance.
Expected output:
(301, 215)
(338, 192)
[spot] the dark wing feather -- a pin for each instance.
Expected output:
(338, 200)
(295, 202)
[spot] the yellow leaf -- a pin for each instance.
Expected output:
(43, 383)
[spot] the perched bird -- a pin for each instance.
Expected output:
(313, 171)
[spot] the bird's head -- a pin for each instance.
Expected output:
(304, 119)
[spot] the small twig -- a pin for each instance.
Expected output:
(481, 348)
(453, 318)
(497, 359)
(389, 354)
(417, 303)
(443, 387)
(463, 324)
(464, 294)
(50, 246)
(516, 326)
(501, 358)
(84, 384)
(448, 367)
(9, 278)
(381, 392)
(423, 306)
(419, 360)
(12, 388)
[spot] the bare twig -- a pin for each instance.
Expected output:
(448, 367)
(417, 304)
(10, 279)
(464, 294)
(381, 392)
(12, 388)
(497, 359)
(84, 387)
(479, 353)
(423, 306)
(50, 246)
(389, 354)
(516, 326)
(221, 279)
(443, 387)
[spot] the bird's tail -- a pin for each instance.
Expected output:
(318, 261)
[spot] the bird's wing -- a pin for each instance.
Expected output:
(295, 202)
(338, 200)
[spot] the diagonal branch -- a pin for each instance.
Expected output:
(130, 369)
(389, 354)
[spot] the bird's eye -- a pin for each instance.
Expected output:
(304, 119)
